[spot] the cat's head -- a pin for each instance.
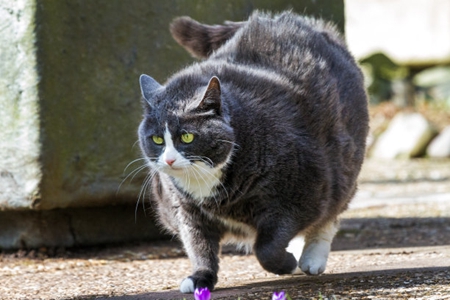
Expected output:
(185, 132)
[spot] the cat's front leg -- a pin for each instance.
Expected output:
(201, 242)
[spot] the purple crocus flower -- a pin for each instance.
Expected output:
(202, 294)
(279, 296)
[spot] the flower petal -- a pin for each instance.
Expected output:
(202, 294)
(279, 296)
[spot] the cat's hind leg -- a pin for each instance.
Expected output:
(270, 247)
(317, 247)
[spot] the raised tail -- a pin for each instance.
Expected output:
(200, 39)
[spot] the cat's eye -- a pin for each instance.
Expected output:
(157, 140)
(187, 138)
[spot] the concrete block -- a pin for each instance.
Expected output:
(409, 32)
(72, 227)
(20, 170)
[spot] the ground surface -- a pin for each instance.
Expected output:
(394, 243)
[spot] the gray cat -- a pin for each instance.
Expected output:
(258, 144)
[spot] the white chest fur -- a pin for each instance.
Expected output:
(199, 180)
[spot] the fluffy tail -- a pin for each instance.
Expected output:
(200, 39)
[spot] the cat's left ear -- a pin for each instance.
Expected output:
(212, 97)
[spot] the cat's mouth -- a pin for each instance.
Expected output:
(174, 170)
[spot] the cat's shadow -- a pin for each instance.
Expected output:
(358, 281)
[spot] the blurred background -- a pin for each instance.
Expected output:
(70, 105)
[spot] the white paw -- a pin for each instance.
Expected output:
(187, 286)
(312, 266)
(314, 257)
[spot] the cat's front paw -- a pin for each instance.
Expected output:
(198, 280)
(187, 286)
(313, 265)
(314, 258)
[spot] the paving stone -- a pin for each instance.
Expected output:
(440, 146)
(407, 136)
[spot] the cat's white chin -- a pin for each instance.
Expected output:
(198, 179)
(174, 171)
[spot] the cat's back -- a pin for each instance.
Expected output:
(286, 42)
(317, 89)
(312, 58)
(308, 54)
(296, 67)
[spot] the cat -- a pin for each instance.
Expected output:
(260, 142)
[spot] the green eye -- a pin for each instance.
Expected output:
(187, 138)
(157, 140)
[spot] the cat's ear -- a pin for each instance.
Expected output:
(212, 97)
(148, 87)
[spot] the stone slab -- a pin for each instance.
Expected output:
(407, 135)
(412, 33)
(74, 227)
(440, 145)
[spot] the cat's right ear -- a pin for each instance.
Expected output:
(211, 99)
(149, 86)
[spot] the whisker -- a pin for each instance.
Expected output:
(139, 197)
(230, 142)
(186, 174)
(138, 159)
(202, 176)
(144, 188)
(140, 169)
(196, 178)
(204, 159)
(220, 182)
(186, 171)
(135, 172)
(135, 144)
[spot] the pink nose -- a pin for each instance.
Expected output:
(170, 161)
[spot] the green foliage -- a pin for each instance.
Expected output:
(380, 72)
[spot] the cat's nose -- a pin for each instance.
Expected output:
(170, 161)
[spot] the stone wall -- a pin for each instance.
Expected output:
(70, 108)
